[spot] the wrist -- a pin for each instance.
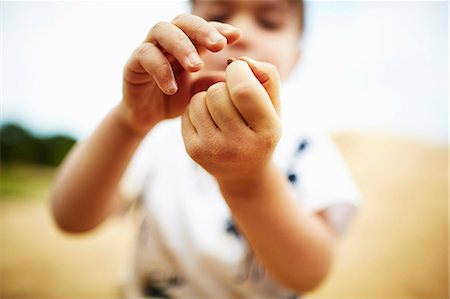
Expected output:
(249, 185)
(123, 116)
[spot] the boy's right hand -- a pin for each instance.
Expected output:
(156, 83)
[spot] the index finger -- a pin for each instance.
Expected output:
(210, 35)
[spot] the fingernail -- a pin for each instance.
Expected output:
(214, 37)
(230, 29)
(194, 59)
(171, 87)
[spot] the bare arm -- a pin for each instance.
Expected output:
(294, 246)
(232, 130)
(85, 191)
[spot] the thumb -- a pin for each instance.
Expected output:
(267, 75)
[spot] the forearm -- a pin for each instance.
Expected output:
(85, 189)
(292, 245)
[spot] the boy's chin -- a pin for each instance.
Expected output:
(204, 81)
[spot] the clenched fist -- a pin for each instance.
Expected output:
(232, 129)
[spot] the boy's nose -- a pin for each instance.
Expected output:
(246, 25)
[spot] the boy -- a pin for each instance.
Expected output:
(243, 224)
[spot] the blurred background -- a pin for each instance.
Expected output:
(374, 75)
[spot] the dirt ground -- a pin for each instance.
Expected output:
(397, 247)
(38, 261)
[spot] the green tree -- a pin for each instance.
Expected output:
(19, 145)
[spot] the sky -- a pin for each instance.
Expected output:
(378, 66)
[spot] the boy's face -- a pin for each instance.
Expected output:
(270, 32)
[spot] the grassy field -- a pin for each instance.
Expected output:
(24, 181)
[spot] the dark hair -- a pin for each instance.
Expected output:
(301, 11)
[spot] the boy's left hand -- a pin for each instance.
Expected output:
(232, 129)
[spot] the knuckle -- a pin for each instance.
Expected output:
(269, 139)
(215, 89)
(202, 28)
(156, 29)
(194, 150)
(198, 98)
(198, 27)
(268, 142)
(203, 150)
(142, 50)
(162, 66)
(182, 40)
(180, 18)
(243, 90)
(163, 70)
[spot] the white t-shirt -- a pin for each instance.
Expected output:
(188, 245)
